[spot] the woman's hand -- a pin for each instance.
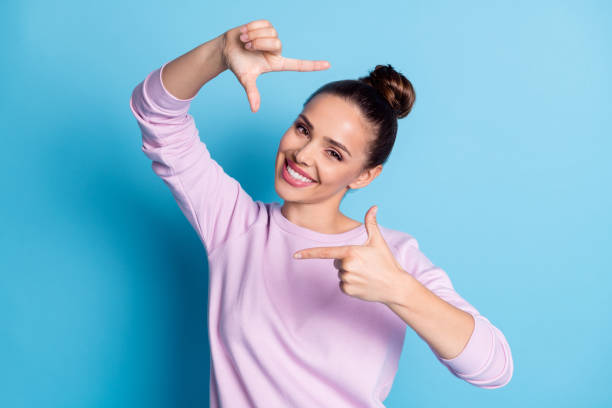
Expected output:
(368, 271)
(253, 49)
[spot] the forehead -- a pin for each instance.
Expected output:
(333, 116)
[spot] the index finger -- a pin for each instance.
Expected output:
(336, 252)
(294, 64)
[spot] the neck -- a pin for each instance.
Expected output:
(320, 217)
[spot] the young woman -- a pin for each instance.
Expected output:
(309, 332)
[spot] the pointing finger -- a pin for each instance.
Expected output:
(323, 252)
(293, 64)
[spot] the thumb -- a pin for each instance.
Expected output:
(374, 234)
(250, 87)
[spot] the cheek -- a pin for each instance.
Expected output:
(285, 142)
(346, 176)
(333, 174)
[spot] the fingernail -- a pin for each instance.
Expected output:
(243, 29)
(297, 255)
(248, 45)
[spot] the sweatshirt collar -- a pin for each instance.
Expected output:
(292, 228)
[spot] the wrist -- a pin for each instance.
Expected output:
(404, 290)
(211, 57)
(220, 46)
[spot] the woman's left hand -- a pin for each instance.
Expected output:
(368, 271)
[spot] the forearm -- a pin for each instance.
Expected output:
(444, 327)
(185, 75)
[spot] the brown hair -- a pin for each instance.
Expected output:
(383, 96)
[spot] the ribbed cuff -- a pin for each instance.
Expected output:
(477, 352)
(157, 93)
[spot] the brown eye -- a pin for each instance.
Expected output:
(298, 126)
(336, 155)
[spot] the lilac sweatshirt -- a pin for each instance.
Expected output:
(281, 332)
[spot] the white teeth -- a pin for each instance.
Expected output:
(298, 176)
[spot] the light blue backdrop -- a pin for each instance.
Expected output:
(502, 172)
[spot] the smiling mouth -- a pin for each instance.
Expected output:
(294, 178)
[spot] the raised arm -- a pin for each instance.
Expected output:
(214, 203)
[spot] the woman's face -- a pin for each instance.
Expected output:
(309, 145)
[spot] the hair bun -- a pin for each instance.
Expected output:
(394, 86)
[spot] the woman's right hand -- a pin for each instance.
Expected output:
(263, 55)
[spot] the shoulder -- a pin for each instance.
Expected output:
(405, 248)
(398, 239)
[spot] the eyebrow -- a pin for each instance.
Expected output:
(327, 139)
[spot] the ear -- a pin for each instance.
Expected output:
(366, 177)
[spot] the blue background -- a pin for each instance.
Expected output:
(502, 172)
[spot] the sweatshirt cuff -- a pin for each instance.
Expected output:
(477, 352)
(158, 94)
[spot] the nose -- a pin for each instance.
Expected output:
(304, 156)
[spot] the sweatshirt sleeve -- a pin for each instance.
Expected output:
(213, 202)
(486, 360)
